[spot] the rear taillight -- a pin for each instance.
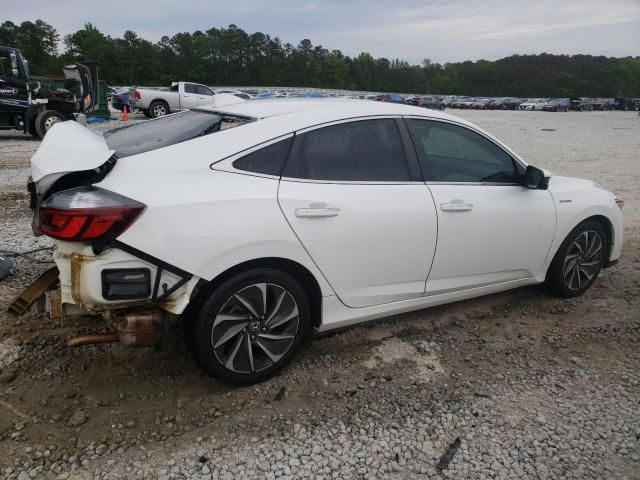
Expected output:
(136, 95)
(87, 214)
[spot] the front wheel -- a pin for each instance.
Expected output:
(578, 261)
(251, 326)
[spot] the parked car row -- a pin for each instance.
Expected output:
(154, 102)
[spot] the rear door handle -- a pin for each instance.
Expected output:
(316, 212)
(456, 205)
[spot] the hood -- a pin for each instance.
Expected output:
(559, 184)
(85, 83)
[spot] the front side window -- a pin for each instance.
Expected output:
(367, 150)
(449, 153)
(268, 160)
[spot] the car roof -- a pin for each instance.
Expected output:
(326, 108)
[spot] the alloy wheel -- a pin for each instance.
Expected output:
(583, 260)
(159, 110)
(255, 328)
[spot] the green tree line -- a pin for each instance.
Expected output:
(230, 56)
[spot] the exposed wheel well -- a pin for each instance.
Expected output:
(310, 285)
(608, 229)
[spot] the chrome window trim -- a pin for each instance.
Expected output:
(490, 184)
(349, 182)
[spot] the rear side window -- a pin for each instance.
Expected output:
(367, 150)
(268, 160)
(202, 90)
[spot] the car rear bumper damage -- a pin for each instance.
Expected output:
(135, 294)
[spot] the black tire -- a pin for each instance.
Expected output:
(250, 349)
(32, 128)
(578, 261)
(442, 106)
(158, 108)
(146, 113)
(47, 119)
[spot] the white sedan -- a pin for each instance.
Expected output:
(258, 222)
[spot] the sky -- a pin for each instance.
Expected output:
(441, 30)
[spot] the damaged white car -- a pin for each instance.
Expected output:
(258, 222)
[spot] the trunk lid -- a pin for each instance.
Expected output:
(70, 155)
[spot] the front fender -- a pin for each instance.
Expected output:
(575, 205)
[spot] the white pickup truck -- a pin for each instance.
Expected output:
(182, 96)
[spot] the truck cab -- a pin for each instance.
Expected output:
(14, 87)
(34, 106)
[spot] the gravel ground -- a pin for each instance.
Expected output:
(515, 385)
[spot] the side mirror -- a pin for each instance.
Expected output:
(534, 178)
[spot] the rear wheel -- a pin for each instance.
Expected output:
(251, 326)
(146, 113)
(158, 108)
(578, 261)
(47, 119)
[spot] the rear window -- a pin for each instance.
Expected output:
(162, 132)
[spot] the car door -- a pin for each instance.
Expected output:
(205, 95)
(189, 96)
(353, 194)
(491, 229)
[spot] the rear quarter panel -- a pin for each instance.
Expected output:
(205, 221)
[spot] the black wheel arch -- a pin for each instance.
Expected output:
(307, 280)
(608, 230)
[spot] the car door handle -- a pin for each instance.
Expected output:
(316, 212)
(456, 205)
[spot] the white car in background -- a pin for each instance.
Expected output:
(261, 221)
(533, 104)
(237, 93)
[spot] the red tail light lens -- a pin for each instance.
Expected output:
(136, 95)
(87, 214)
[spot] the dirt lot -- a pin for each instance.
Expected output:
(515, 385)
